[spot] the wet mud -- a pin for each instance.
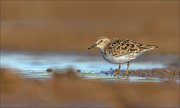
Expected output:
(30, 80)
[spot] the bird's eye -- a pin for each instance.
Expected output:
(99, 41)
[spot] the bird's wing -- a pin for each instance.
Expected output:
(120, 47)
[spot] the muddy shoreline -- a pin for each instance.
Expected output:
(152, 88)
(68, 89)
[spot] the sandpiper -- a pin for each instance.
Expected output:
(120, 51)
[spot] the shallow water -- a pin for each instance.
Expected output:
(92, 67)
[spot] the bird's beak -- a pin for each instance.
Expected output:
(94, 45)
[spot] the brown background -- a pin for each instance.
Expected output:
(75, 25)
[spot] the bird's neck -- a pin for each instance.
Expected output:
(101, 49)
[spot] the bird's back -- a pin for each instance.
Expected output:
(120, 47)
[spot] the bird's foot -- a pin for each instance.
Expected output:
(116, 72)
(126, 74)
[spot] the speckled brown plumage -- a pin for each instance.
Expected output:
(120, 47)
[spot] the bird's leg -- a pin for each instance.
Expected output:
(127, 70)
(117, 70)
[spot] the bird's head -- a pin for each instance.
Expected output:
(100, 43)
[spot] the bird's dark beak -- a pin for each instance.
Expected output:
(94, 45)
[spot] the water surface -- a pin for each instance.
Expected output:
(91, 67)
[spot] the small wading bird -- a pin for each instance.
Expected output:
(120, 51)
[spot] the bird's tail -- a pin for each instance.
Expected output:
(147, 47)
(151, 47)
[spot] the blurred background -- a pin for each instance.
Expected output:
(69, 28)
(75, 25)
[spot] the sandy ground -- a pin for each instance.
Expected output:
(68, 90)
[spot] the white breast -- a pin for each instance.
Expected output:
(116, 60)
(120, 59)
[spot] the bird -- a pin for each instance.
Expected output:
(120, 51)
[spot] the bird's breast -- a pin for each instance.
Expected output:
(117, 59)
